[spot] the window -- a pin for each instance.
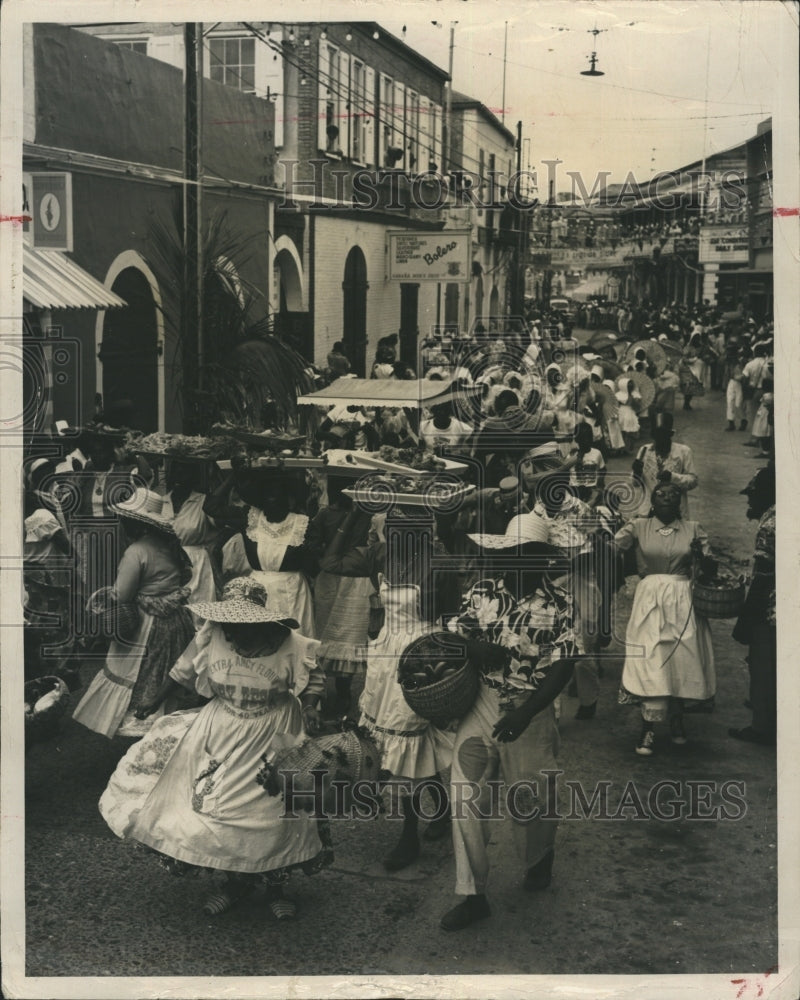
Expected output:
(412, 132)
(332, 84)
(232, 61)
(135, 44)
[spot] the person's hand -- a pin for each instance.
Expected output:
(512, 725)
(664, 476)
(148, 708)
(637, 467)
(311, 719)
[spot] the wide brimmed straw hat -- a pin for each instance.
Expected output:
(244, 602)
(146, 507)
(524, 529)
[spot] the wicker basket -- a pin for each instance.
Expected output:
(120, 621)
(449, 698)
(718, 602)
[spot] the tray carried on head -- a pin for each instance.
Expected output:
(266, 440)
(380, 491)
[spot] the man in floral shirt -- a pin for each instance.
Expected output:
(755, 627)
(523, 621)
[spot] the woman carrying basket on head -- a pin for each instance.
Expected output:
(153, 575)
(669, 657)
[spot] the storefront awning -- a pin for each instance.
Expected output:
(52, 281)
(410, 393)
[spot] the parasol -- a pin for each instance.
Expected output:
(603, 339)
(653, 352)
(608, 401)
(647, 390)
(673, 352)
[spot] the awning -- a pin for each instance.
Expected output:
(584, 291)
(50, 280)
(412, 393)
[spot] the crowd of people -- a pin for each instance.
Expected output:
(253, 608)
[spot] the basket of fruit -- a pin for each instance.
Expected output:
(46, 700)
(719, 597)
(438, 679)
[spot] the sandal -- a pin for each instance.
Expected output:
(282, 909)
(220, 902)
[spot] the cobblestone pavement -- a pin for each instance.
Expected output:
(628, 897)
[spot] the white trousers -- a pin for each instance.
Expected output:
(734, 399)
(478, 759)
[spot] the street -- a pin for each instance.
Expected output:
(629, 896)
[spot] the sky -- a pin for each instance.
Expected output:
(680, 79)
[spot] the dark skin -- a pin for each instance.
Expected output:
(666, 506)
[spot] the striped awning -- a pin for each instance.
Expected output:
(52, 281)
(393, 393)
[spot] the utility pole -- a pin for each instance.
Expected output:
(547, 284)
(192, 309)
(448, 104)
(505, 52)
(516, 283)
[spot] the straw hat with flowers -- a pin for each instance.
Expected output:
(244, 602)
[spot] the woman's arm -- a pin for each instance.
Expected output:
(168, 687)
(129, 575)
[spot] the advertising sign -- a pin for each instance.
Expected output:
(444, 256)
(50, 202)
(724, 245)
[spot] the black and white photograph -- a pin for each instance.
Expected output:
(399, 476)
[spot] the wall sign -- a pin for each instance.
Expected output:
(444, 256)
(50, 201)
(724, 245)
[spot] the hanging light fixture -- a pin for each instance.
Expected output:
(291, 34)
(593, 57)
(324, 33)
(376, 34)
(349, 34)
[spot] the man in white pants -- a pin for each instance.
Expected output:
(510, 733)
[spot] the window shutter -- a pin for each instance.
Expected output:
(425, 154)
(369, 117)
(347, 105)
(269, 76)
(399, 124)
(324, 83)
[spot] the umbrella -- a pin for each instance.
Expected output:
(647, 390)
(653, 352)
(673, 352)
(603, 339)
(608, 401)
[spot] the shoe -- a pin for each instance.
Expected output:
(646, 743)
(743, 425)
(676, 731)
(401, 856)
(540, 875)
(438, 829)
(749, 735)
(586, 711)
(472, 909)
(731, 426)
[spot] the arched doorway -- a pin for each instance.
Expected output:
(494, 304)
(354, 312)
(130, 352)
(479, 299)
(292, 320)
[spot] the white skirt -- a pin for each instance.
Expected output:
(668, 647)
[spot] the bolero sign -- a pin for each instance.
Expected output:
(445, 255)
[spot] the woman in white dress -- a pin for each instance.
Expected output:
(270, 541)
(188, 790)
(669, 657)
(183, 503)
(412, 748)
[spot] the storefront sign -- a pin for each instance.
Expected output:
(724, 245)
(444, 256)
(50, 202)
